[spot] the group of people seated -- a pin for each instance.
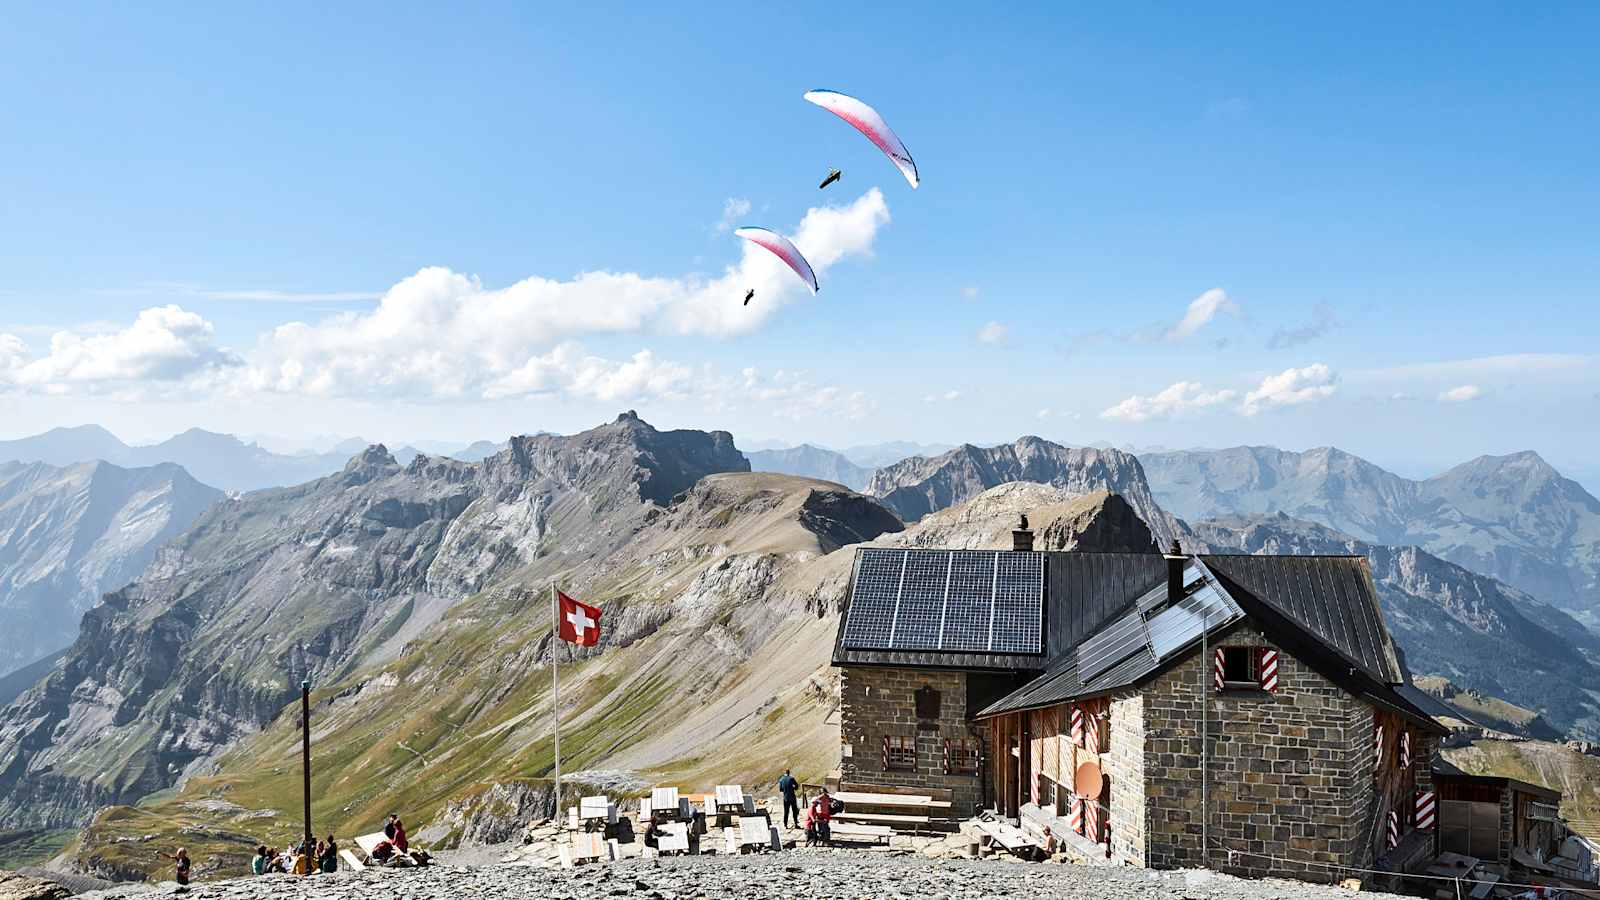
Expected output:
(300, 859)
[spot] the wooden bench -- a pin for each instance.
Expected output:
(882, 818)
(854, 832)
(864, 798)
(351, 861)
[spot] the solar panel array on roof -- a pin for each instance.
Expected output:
(1177, 625)
(953, 600)
(1112, 645)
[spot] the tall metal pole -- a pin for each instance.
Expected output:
(555, 688)
(305, 764)
(1207, 676)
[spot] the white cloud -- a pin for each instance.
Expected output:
(970, 292)
(164, 344)
(792, 395)
(946, 397)
(733, 209)
(1521, 364)
(1043, 413)
(1291, 387)
(1201, 311)
(993, 333)
(567, 370)
(1461, 394)
(1180, 398)
(442, 334)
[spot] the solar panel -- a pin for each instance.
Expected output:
(950, 600)
(916, 626)
(1113, 644)
(970, 604)
(873, 597)
(1018, 603)
(1201, 611)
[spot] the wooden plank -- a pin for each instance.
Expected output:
(351, 861)
(882, 817)
(753, 831)
(664, 798)
(593, 807)
(730, 795)
(858, 828)
(674, 836)
(871, 799)
(370, 842)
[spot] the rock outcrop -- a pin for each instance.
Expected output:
(15, 886)
(917, 486)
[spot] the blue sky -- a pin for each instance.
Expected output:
(1385, 219)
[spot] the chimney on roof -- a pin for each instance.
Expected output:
(1175, 561)
(1022, 537)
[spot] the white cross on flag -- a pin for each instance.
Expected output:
(579, 623)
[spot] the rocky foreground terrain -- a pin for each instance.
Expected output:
(790, 875)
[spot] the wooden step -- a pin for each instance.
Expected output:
(882, 817)
(866, 799)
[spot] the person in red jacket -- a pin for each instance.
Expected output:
(821, 812)
(400, 842)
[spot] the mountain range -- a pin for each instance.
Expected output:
(416, 598)
(71, 533)
(1511, 517)
(221, 460)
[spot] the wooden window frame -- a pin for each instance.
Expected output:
(963, 756)
(899, 753)
(1252, 656)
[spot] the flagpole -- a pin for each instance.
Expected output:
(555, 685)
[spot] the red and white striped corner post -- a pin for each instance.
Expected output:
(1427, 810)
(1405, 749)
(1093, 821)
(1075, 814)
(1077, 726)
(1269, 669)
(1392, 833)
(1377, 744)
(1218, 666)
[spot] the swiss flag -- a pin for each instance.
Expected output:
(579, 623)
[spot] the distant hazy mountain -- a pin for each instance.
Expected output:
(221, 460)
(1512, 517)
(917, 486)
(69, 534)
(874, 456)
(1477, 632)
(478, 450)
(811, 462)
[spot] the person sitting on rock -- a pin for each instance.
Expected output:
(259, 865)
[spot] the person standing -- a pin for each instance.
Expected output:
(789, 788)
(400, 842)
(181, 864)
(388, 827)
(328, 858)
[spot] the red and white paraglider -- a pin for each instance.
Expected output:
(867, 121)
(782, 249)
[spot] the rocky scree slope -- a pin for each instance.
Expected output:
(69, 534)
(917, 486)
(313, 582)
(1477, 632)
(1512, 517)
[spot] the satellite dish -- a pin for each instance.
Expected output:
(1087, 781)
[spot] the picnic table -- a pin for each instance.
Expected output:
(855, 832)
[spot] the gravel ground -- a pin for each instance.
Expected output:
(787, 875)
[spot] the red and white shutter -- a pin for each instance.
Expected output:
(1405, 749)
(1427, 810)
(1093, 821)
(1102, 728)
(1077, 726)
(1392, 834)
(1075, 814)
(1218, 667)
(886, 753)
(1377, 744)
(1267, 672)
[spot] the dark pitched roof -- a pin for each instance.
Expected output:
(1330, 597)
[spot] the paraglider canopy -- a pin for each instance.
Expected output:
(781, 248)
(866, 120)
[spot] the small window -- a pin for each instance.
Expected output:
(927, 702)
(1239, 666)
(961, 756)
(899, 752)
